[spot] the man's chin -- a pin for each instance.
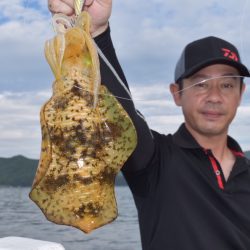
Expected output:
(213, 130)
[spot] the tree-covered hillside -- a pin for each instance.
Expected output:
(17, 171)
(247, 153)
(20, 171)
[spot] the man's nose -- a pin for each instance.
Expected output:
(214, 92)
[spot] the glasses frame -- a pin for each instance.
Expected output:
(207, 80)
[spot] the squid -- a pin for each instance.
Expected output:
(87, 136)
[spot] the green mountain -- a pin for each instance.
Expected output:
(17, 171)
(20, 171)
(247, 153)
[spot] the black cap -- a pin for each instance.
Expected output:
(205, 52)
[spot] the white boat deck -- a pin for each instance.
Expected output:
(21, 243)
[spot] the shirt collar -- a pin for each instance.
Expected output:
(184, 139)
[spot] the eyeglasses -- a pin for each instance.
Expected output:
(225, 84)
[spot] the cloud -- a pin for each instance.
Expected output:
(20, 132)
(20, 126)
(240, 126)
(156, 104)
(21, 44)
(148, 36)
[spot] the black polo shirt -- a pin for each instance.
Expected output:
(182, 198)
(180, 202)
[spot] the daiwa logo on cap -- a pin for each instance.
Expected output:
(230, 54)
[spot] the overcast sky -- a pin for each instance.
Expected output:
(149, 37)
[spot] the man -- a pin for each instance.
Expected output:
(192, 188)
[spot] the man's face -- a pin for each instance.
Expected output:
(209, 107)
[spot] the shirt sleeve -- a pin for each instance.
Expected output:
(113, 78)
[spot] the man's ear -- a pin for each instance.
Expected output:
(242, 92)
(174, 89)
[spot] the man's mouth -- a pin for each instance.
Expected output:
(211, 115)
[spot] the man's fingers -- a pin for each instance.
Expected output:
(59, 6)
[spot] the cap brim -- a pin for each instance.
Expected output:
(241, 67)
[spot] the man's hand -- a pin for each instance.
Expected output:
(99, 10)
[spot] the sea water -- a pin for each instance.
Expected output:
(19, 216)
